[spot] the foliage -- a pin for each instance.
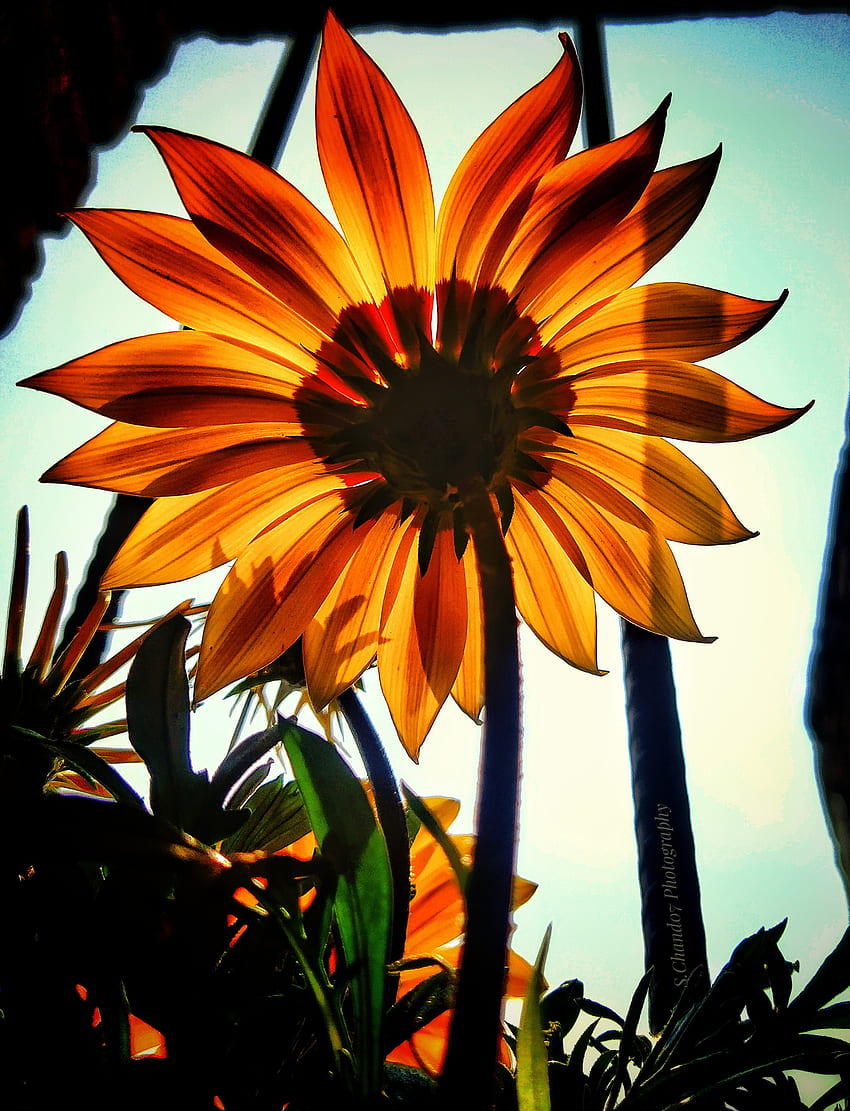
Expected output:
(734, 1047)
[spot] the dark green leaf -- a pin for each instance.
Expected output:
(158, 721)
(627, 1047)
(562, 1005)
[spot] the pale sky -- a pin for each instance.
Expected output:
(774, 91)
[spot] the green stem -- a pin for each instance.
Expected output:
(468, 1078)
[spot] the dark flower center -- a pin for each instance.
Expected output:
(434, 428)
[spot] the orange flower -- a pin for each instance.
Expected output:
(435, 927)
(336, 394)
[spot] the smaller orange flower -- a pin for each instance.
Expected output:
(435, 928)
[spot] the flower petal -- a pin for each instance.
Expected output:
(272, 591)
(468, 689)
(668, 319)
(679, 498)
(555, 600)
(574, 207)
(663, 398)
(422, 642)
(184, 536)
(374, 168)
(185, 379)
(263, 224)
(163, 462)
(488, 193)
(629, 563)
(342, 639)
(167, 261)
(671, 202)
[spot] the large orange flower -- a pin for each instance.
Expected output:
(337, 394)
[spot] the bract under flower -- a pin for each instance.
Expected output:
(334, 395)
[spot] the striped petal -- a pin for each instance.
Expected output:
(555, 600)
(272, 591)
(163, 462)
(422, 641)
(671, 202)
(342, 640)
(186, 379)
(666, 320)
(629, 564)
(167, 262)
(374, 168)
(180, 537)
(680, 499)
(489, 191)
(663, 398)
(468, 689)
(574, 207)
(264, 225)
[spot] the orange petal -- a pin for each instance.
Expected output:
(342, 640)
(679, 498)
(374, 168)
(629, 563)
(185, 379)
(163, 462)
(422, 643)
(671, 202)
(45, 644)
(272, 591)
(667, 320)
(185, 536)
(573, 208)
(468, 689)
(488, 193)
(264, 225)
(168, 262)
(663, 398)
(552, 596)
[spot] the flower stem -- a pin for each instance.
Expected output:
(468, 1077)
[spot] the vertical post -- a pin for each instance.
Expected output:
(671, 912)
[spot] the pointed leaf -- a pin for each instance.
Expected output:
(532, 1071)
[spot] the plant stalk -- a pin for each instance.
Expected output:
(468, 1078)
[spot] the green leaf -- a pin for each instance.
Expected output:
(277, 817)
(532, 1070)
(350, 840)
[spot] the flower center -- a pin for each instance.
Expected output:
(436, 427)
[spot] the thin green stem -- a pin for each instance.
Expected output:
(468, 1078)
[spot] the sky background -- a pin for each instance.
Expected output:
(774, 91)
